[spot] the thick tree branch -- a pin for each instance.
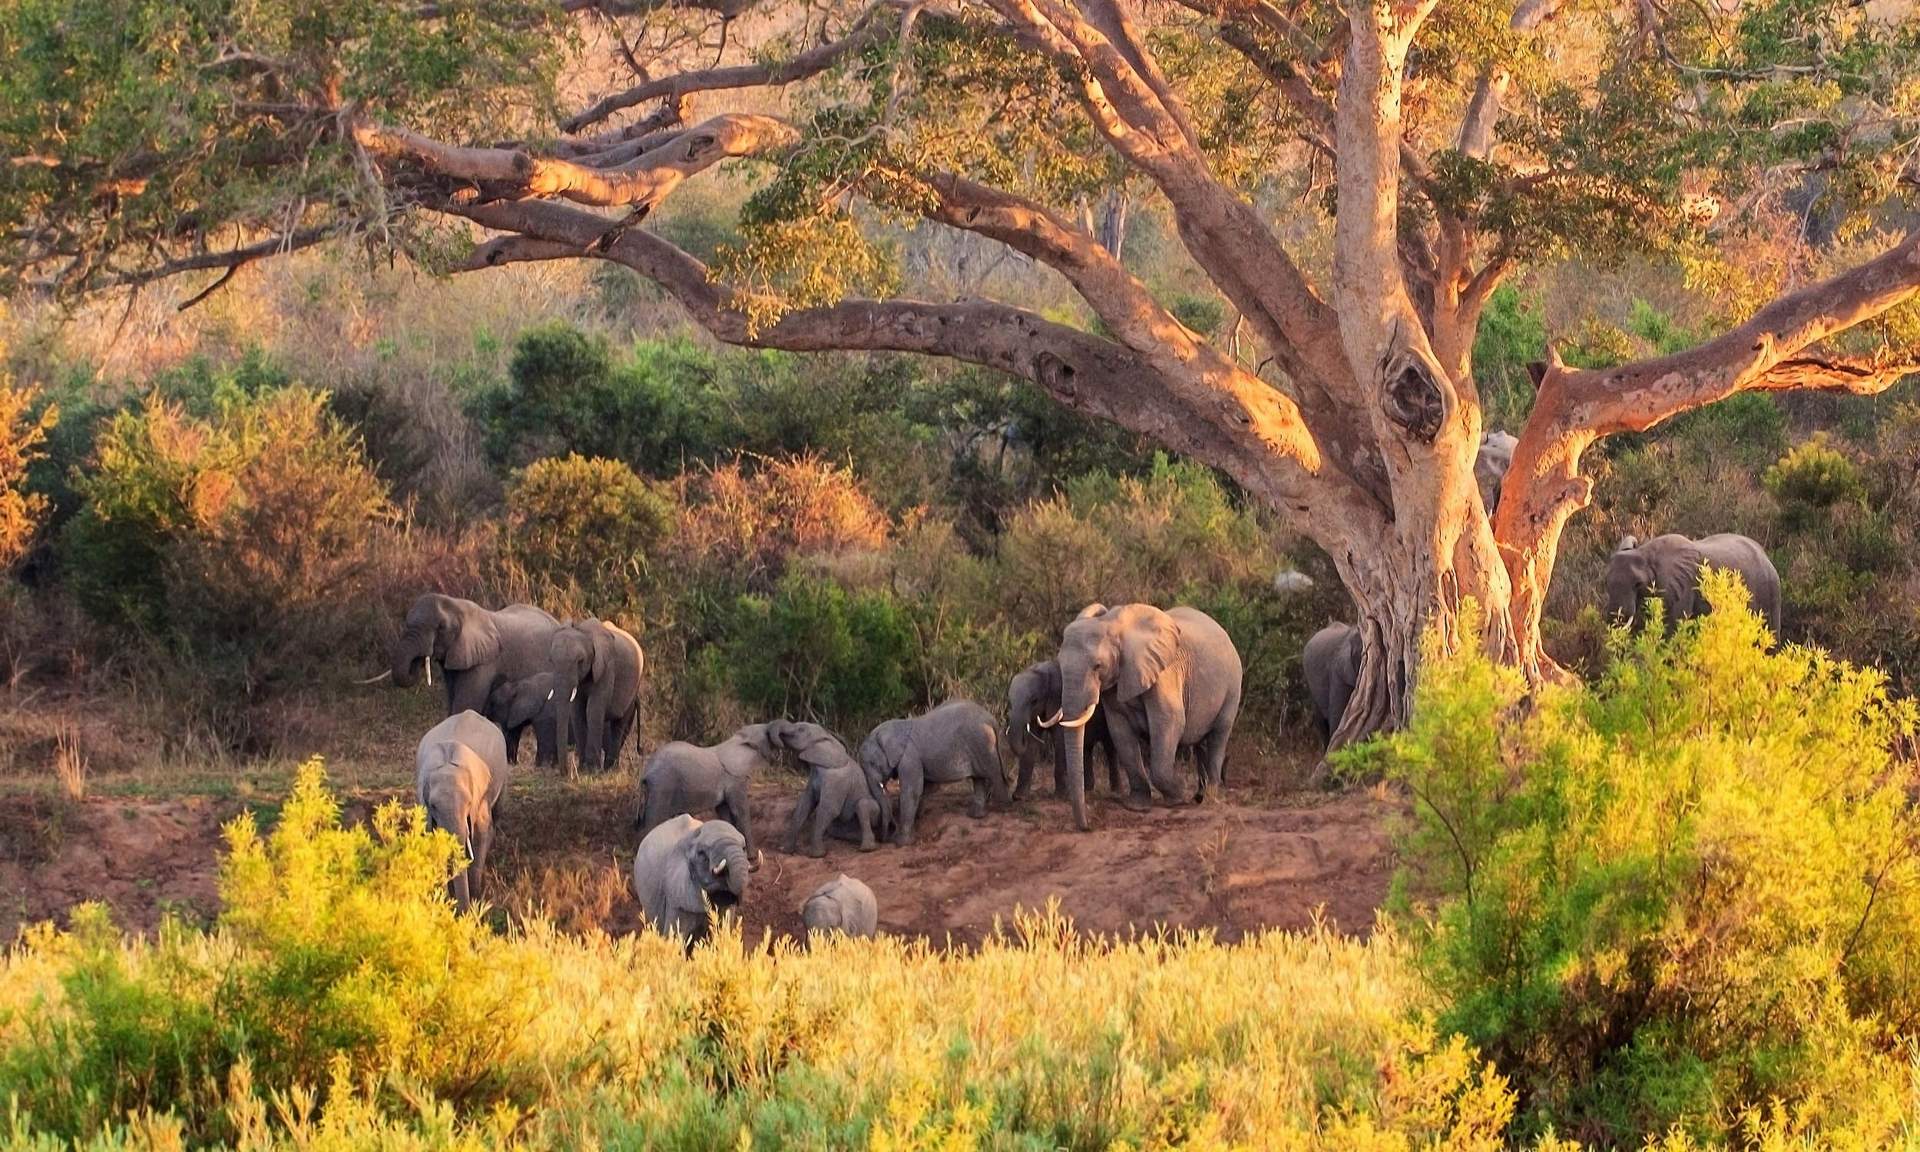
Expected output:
(228, 261)
(504, 173)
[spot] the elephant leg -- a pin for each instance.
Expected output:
(1212, 752)
(1163, 752)
(1126, 748)
(1113, 762)
(987, 768)
(912, 784)
(512, 735)
(1059, 763)
(802, 809)
(1025, 777)
(482, 844)
(977, 806)
(867, 813)
(823, 814)
(734, 804)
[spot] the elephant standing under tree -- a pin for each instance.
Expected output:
(685, 778)
(956, 741)
(597, 668)
(1033, 697)
(837, 798)
(1331, 665)
(478, 647)
(460, 778)
(1668, 567)
(517, 705)
(1170, 680)
(843, 905)
(683, 868)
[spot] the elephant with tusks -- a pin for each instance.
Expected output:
(477, 647)
(460, 778)
(1033, 710)
(688, 872)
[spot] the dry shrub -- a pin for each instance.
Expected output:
(21, 436)
(70, 764)
(751, 522)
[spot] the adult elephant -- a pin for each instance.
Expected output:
(460, 778)
(1668, 567)
(686, 869)
(1169, 680)
(596, 668)
(1331, 664)
(477, 647)
(1034, 697)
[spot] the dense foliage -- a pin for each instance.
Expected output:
(1688, 896)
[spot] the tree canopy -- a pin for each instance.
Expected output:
(1354, 179)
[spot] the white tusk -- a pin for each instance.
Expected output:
(549, 693)
(469, 845)
(719, 865)
(1084, 717)
(1053, 719)
(429, 671)
(375, 679)
(572, 694)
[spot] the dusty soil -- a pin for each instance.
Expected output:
(564, 849)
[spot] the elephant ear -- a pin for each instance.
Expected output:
(1627, 544)
(473, 638)
(1677, 574)
(1094, 609)
(602, 653)
(1147, 647)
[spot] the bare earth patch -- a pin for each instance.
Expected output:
(1233, 867)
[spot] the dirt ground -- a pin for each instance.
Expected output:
(1235, 866)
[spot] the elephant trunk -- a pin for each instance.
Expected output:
(563, 694)
(1073, 739)
(410, 652)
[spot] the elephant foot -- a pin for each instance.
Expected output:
(903, 841)
(869, 845)
(1135, 802)
(817, 853)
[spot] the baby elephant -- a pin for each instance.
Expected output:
(516, 705)
(843, 905)
(954, 742)
(1331, 664)
(460, 776)
(682, 777)
(837, 798)
(683, 868)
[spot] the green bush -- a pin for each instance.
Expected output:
(586, 530)
(1678, 896)
(1814, 476)
(1511, 336)
(814, 649)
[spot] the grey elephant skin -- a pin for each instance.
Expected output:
(597, 668)
(683, 868)
(477, 647)
(837, 799)
(517, 705)
(958, 741)
(842, 905)
(1170, 680)
(1331, 664)
(682, 778)
(1491, 465)
(1033, 698)
(460, 778)
(1668, 567)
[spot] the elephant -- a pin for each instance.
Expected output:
(477, 647)
(684, 867)
(598, 665)
(682, 778)
(517, 705)
(843, 905)
(1169, 679)
(1033, 696)
(1331, 664)
(1490, 465)
(1669, 567)
(837, 798)
(460, 778)
(954, 742)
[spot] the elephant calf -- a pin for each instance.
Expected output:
(843, 905)
(517, 705)
(460, 777)
(837, 798)
(684, 778)
(954, 742)
(686, 867)
(1033, 706)
(1668, 567)
(1331, 664)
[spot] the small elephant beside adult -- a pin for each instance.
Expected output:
(686, 867)
(596, 668)
(957, 741)
(837, 799)
(517, 705)
(1169, 680)
(682, 778)
(842, 905)
(1491, 464)
(1033, 697)
(460, 778)
(477, 647)
(1668, 568)
(1331, 665)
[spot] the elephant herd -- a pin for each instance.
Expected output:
(1145, 684)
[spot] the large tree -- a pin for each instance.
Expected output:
(1448, 142)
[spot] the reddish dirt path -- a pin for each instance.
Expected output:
(1231, 867)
